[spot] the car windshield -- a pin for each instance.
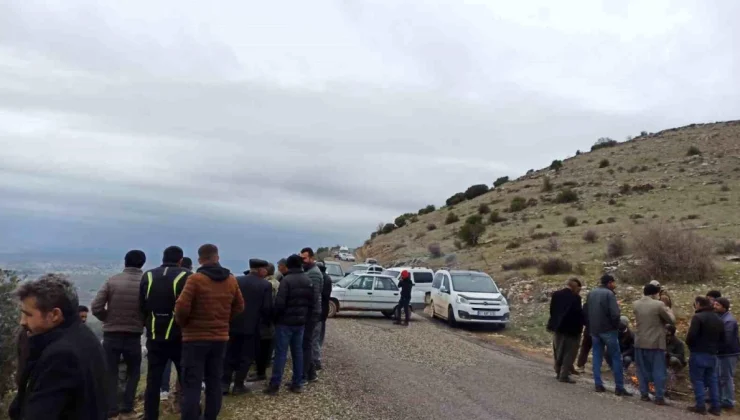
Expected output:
(475, 283)
(391, 273)
(346, 281)
(333, 270)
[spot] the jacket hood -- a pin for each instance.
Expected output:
(215, 272)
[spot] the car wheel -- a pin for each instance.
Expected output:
(333, 309)
(451, 317)
(432, 305)
(387, 314)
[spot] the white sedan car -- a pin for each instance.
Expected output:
(366, 291)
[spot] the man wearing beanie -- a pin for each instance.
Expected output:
(244, 330)
(603, 318)
(293, 307)
(728, 354)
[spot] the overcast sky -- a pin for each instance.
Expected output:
(274, 124)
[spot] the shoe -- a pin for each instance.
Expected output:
(164, 396)
(728, 407)
(645, 398)
(256, 378)
(271, 390)
(574, 371)
(567, 380)
(296, 389)
(693, 409)
(317, 365)
(225, 389)
(313, 378)
(240, 390)
(623, 393)
(715, 412)
(660, 401)
(599, 388)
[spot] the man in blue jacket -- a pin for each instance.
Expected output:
(728, 354)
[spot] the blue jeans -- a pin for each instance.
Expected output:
(651, 367)
(610, 340)
(726, 369)
(703, 372)
(287, 336)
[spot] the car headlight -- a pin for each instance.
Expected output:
(504, 301)
(461, 299)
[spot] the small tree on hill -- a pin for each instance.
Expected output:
(451, 218)
(470, 233)
(517, 204)
(566, 195)
(484, 209)
(547, 184)
(426, 210)
(500, 181)
(603, 143)
(400, 221)
(476, 191)
(556, 165)
(388, 228)
(8, 330)
(455, 199)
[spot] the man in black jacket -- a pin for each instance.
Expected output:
(293, 306)
(325, 297)
(566, 322)
(65, 374)
(405, 284)
(706, 335)
(158, 292)
(244, 331)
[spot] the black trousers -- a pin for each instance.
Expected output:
(202, 361)
(126, 346)
(159, 353)
(403, 303)
(264, 353)
(309, 370)
(240, 353)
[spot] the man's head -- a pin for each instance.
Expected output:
(283, 266)
(405, 275)
(574, 285)
(624, 323)
(46, 303)
(721, 305)
(608, 282)
(713, 295)
(208, 254)
(134, 259)
(83, 311)
(258, 267)
(651, 290)
(670, 331)
(307, 255)
(294, 262)
(186, 263)
(702, 302)
(172, 255)
(271, 269)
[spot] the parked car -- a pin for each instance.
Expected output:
(371, 261)
(345, 256)
(421, 277)
(365, 268)
(334, 270)
(468, 296)
(366, 291)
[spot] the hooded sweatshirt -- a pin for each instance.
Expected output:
(219, 300)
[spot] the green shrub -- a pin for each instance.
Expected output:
(484, 209)
(554, 265)
(476, 191)
(428, 209)
(495, 218)
(451, 218)
(431, 226)
(517, 204)
(566, 195)
(471, 233)
(455, 199)
(570, 221)
(400, 221)
(388, 228)
(616, 247)
(603, 142)
(693, 151)
(474, 219)
(590, 236)
(547, 185)
(500, 181)
(556, 165)
(520, 264)
(604, 163)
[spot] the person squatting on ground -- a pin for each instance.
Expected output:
(727, 354)
(64, 374)
(404, 284)
(159, 289)
(311, 333)
(566, 323)
(117, 306)
(293, 306)
(325, 297)
(603, 317)
(675, 349)
(704, 339)
(204, 322)
(651, 316)
(244, 330)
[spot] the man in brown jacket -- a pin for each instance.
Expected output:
(209, 301)
(117, 306)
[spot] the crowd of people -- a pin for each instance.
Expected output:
(211, 325)
(712, 340)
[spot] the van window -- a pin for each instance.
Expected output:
(446, 283)
(422, 277)
(392, 273)
(437, 280)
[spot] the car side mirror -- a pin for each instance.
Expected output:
(443, 290)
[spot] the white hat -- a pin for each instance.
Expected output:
(655, 283)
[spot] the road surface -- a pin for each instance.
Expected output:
(377, 370)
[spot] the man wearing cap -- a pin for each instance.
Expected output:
(651, 316)
(405, 285)
(566, 324)
(728, 354)
(244, 330)
(663, 296)
(603, 317)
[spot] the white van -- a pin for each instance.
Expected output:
(468, 296)
(422, 278)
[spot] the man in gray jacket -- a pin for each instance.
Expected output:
(117, 306)
(311, 334)
(603, 318)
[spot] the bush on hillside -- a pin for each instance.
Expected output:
(400, 221)
(616, 247)
(431, 226)
(413, 219)
(603, 142)
(556, 165)
(455, 199)
(532, 202)
(435, 250)
(458, 244)
(471, 233)
(590, 236)
(517, 204)
(667, 253)
(451, 218)
(495, 218)
(554, 265)
(474, 219)
(728, 247)
(553, 245)
(570, 221)
(484, 209)
(9, 280)
(520, 264)
(476, 191)
(724, 188)
(604, 163)
(388, 228)
(373, 235)
(693, 151)
(566, 195)
(426, 210)
(547, 184)
(500, 181)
